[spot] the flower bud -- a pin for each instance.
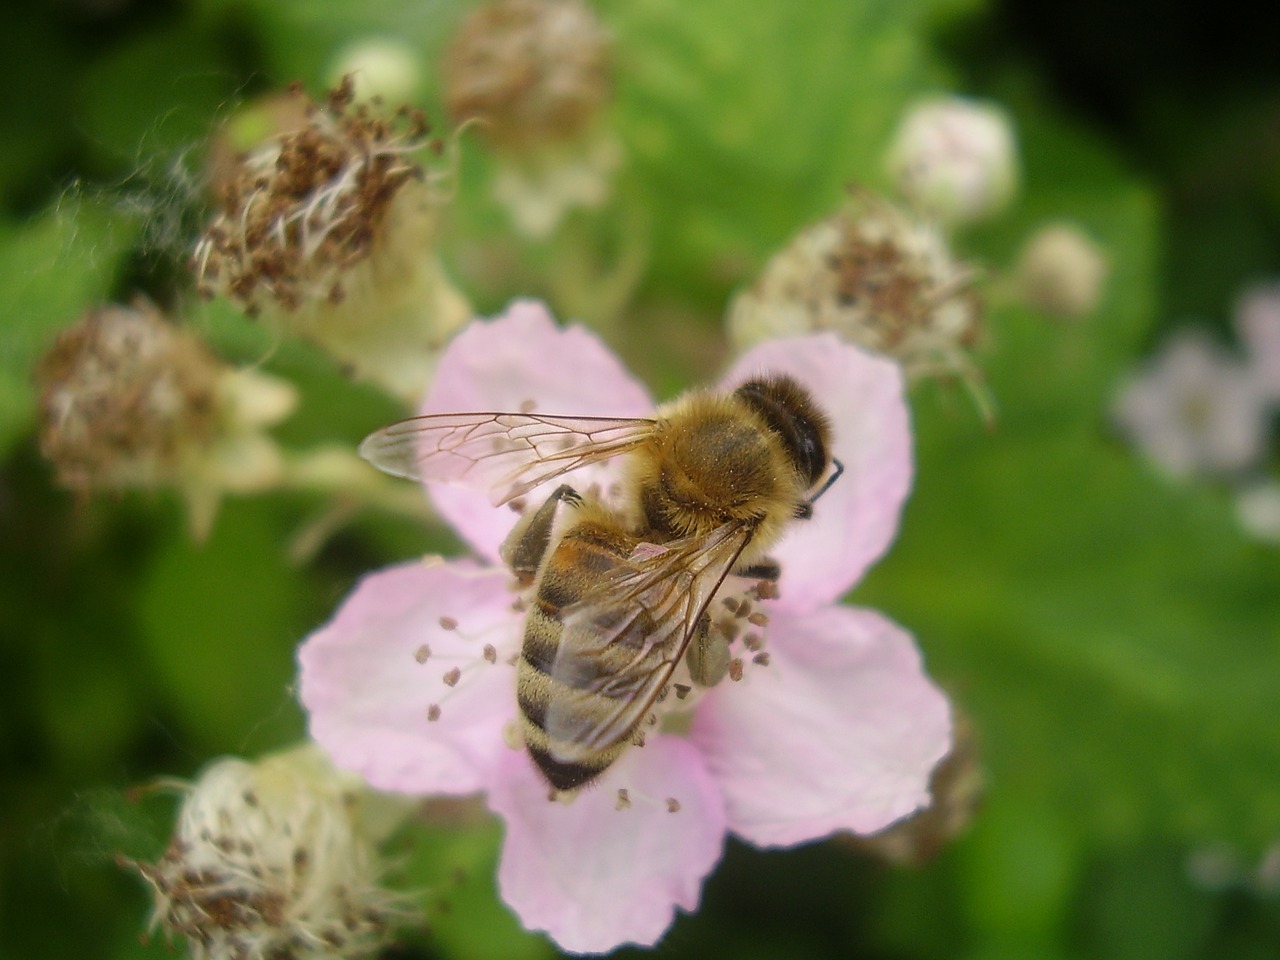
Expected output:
(381, 68)
(128, 400)
(328, 232)
(877, 278)
(269, 860)
(955, 159)
(1061, 271)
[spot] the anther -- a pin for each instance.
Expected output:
(490, 653)
(448, 623)
(422, 654)
(758, 619)
(735, 669)
(673, 805)
(433, 713)
(624, 800)
(682, 690)
(452, 677)
(762, 659)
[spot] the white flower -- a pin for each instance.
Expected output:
(1194, 409)
(955, 159)
(1258, 325)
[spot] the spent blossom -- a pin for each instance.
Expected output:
(825, 722)
(955, 159)
(875, 276)
(271, 859)
(536, 77)
(328, 232)
(129, 400)
(1194, 409)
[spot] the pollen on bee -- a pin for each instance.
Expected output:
(452, 677)
(490, 653)
(433, 713)
(735, 669)
(761, 659)
(624, 799)
(448, 623)
(511, 735)
(673, 805)
(422, 654)
(767, 590)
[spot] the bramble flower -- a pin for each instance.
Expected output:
(1194, 409)
(131, 401)
(1258, 510)
(825, 723)
(877, 278)
(1061, 271)
(270, 860)
(381, 68)
(955, 159)
(537, 75)
(1258, 326)
(328, 232)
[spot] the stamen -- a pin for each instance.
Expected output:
(422, 654)
(735, 669)
(448, 623)
(433, 713)
(624, 800)
(452, 677)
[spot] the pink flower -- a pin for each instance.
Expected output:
(836, 729)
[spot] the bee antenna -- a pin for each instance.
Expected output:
(835, 475)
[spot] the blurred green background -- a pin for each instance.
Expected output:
(1112, 635)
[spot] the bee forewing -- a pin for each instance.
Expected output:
(507, 454)
(648, 615)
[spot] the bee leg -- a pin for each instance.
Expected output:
(527, 543)
(708, 656)
(767, 569)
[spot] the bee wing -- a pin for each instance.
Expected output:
(649, 614)
(506, 453)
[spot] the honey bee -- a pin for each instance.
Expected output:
(621, 591)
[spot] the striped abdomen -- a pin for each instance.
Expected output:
(570, 683)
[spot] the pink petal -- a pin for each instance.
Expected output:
(595, 877)
(370, 677)
(857, 519)
(839, 732)
(505, 363)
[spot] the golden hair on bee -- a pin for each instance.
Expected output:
(621, 590)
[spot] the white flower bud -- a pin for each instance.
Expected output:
(381, 68)
(1061, 271)
(955, 159)
(1258, 326)
(269, 860)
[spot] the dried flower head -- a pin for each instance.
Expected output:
(876, 277)
(129, 400)
(307, 206)
(1061, 271)
(533, 71)
(955, 159)
(329, 231)
(269, 862)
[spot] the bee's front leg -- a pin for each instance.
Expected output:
(527, 542)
